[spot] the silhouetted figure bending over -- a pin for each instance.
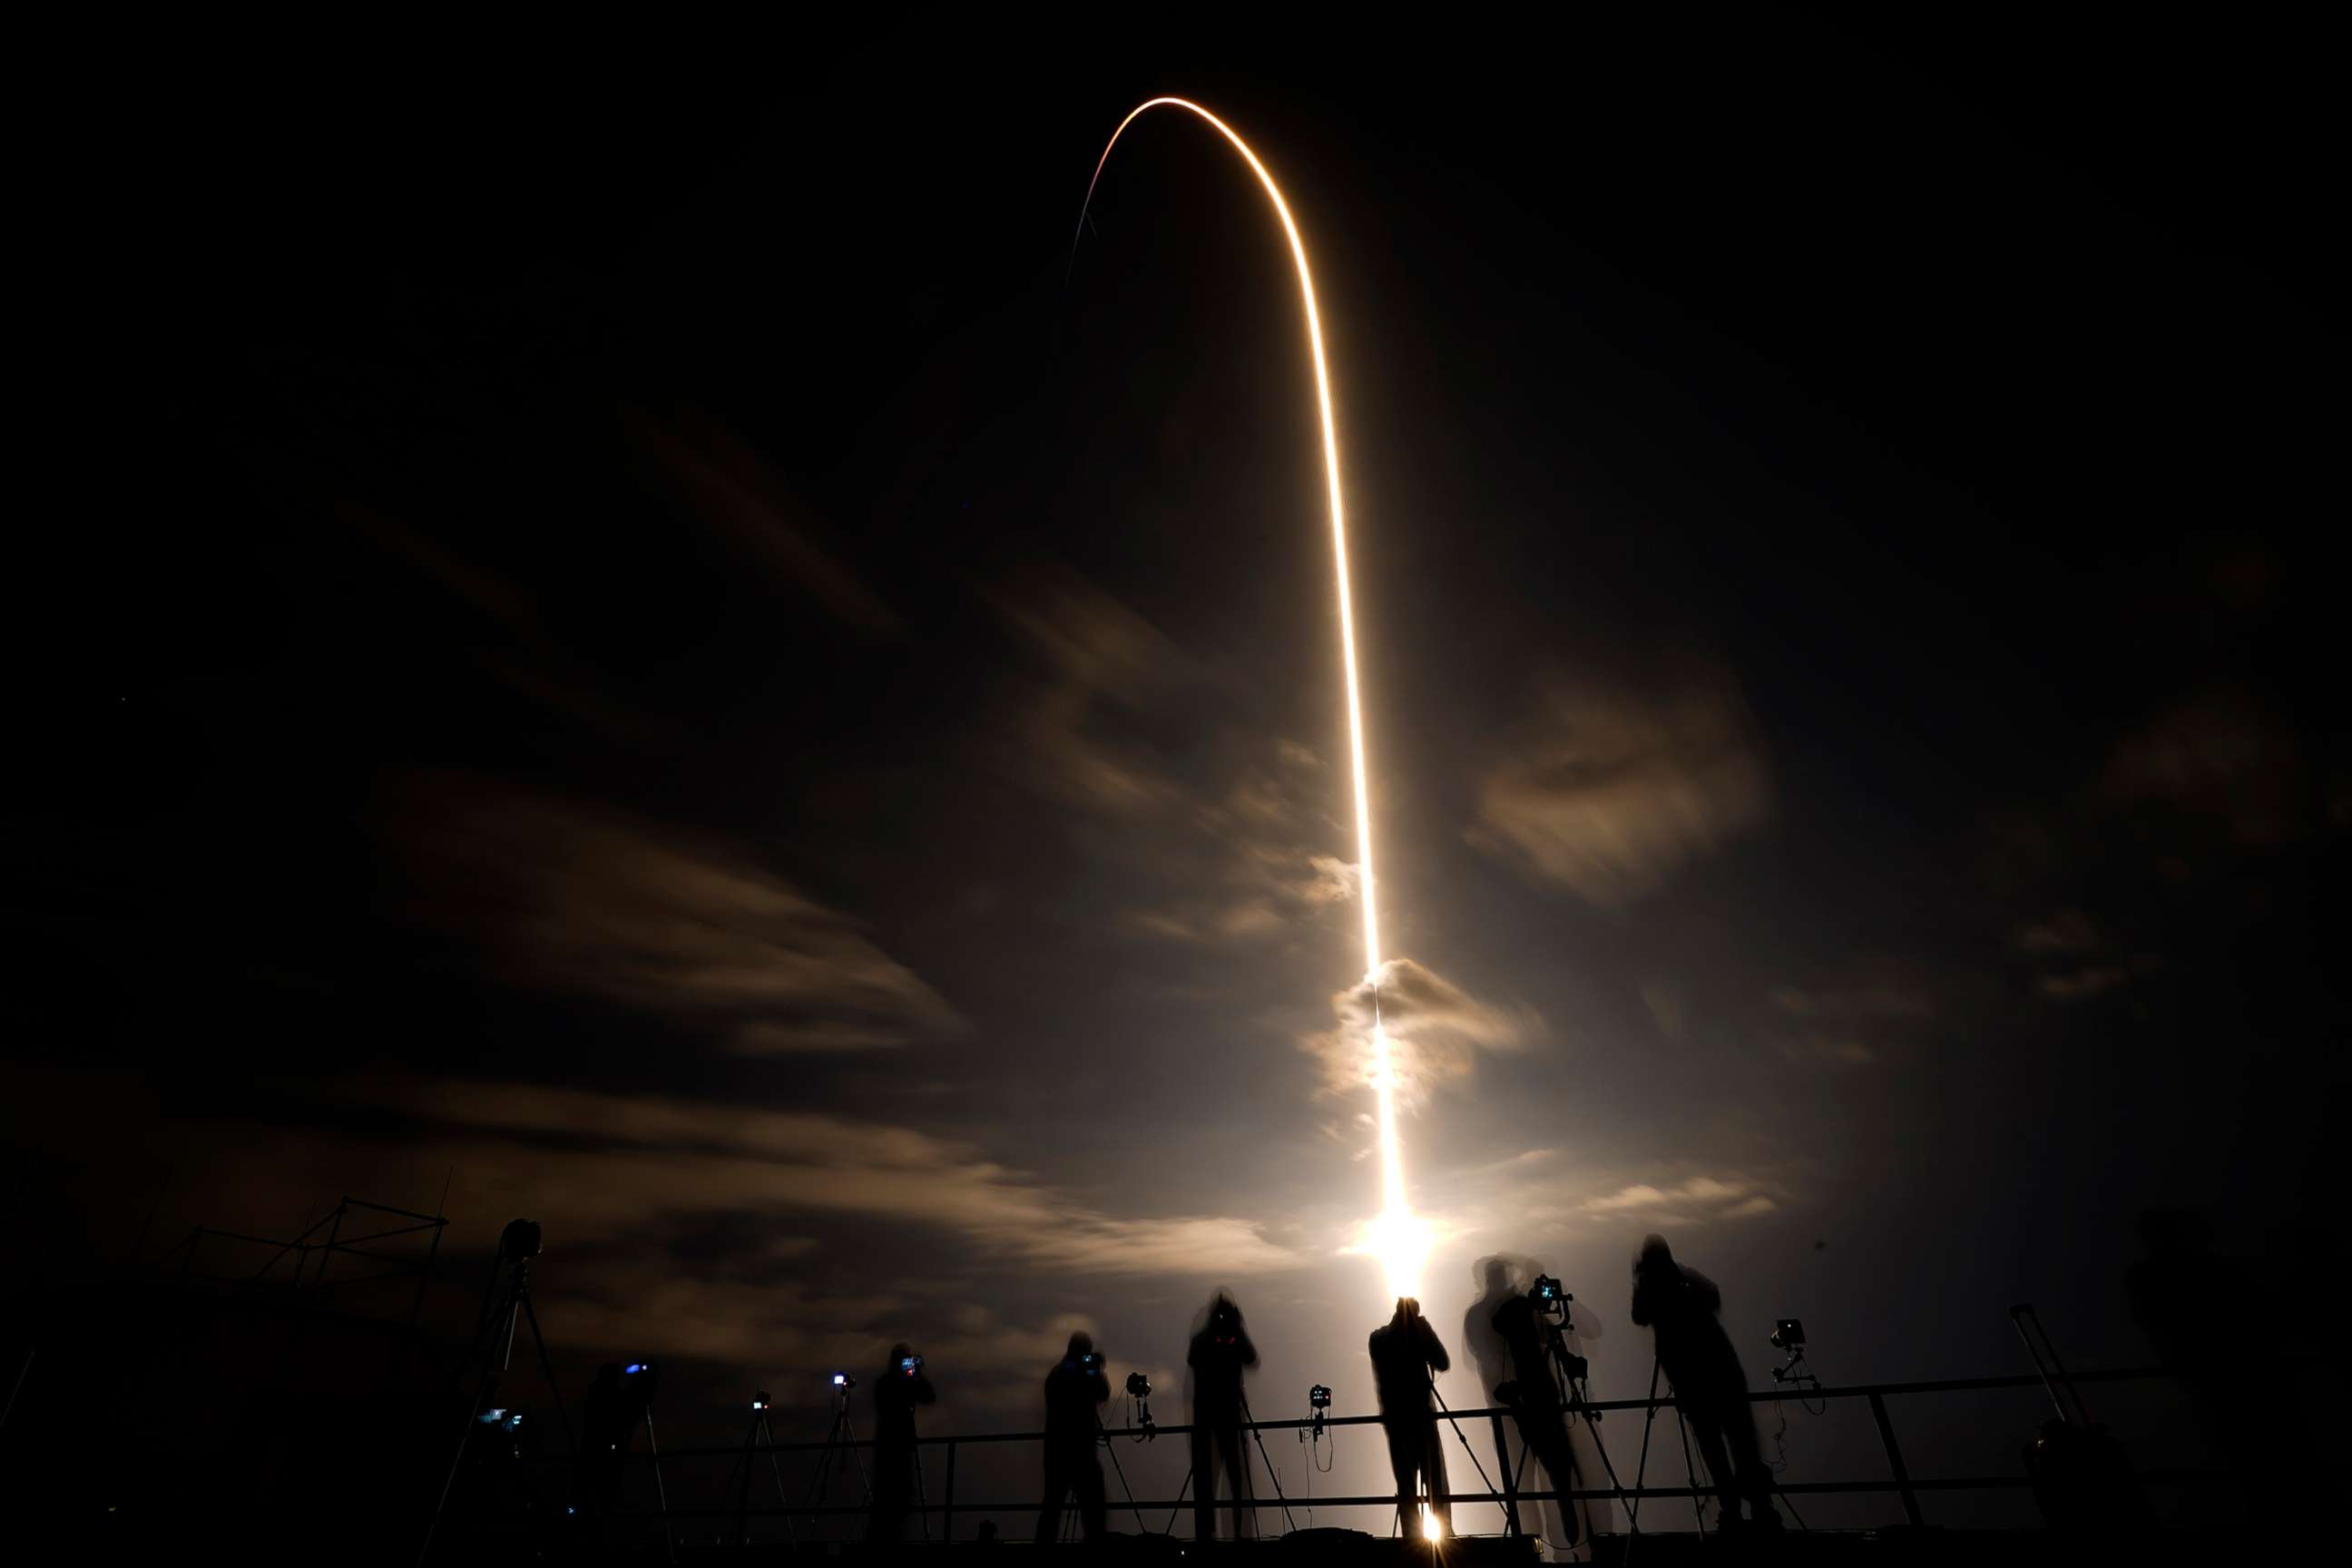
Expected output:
(1221, 1349)
(1679, 1306)
(1405, 1354)
(1072, 1390)
(1535, 1400)
(900, 1388)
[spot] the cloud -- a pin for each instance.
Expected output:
(2219, 757)
(1698, 1200)
(2075, 957)
(596, 903)
(729, 490)
(1613, 792)
(1435, 1032)
(1100, 657)
(1856, 1020)
(612, 1164)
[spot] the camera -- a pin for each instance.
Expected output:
(1318, 1398)
(1546, 1292)
(760, 1399)
(843, 1382)
(519, 1240)
(1788, 1334)
(1576, 1366)
(1139, 1385)
(1091, 1361)
(908, 1365)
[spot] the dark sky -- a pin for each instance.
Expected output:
(618, 636)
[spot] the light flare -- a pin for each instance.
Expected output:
(1402, 1240)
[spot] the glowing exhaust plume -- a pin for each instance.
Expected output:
(1397, 1238)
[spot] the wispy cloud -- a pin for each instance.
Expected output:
(1853, 1019)
(1696, 1200)
(596, 903)
(617, 1163)
(1611, 792)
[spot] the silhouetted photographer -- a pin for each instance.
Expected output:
(1406, 1354)
(1219, 1352)
(1074, 1391)
(1679, 1306)
(901, 1387)
(1537, 1406)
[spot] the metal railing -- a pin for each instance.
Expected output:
(1899, 1479)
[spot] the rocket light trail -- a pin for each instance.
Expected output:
(1398, 1238)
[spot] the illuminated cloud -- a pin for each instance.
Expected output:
(614, 1164)
(1611, 793)
(596, 903)
(1436, 1031)
(1695, 1201)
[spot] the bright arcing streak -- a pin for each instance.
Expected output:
(1397, 1238)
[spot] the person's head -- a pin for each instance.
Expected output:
(1082, 1344)
(1494, 1276)
(1224, 1315)
(1408, 1309)
(901, 1354)
(1655, 1254)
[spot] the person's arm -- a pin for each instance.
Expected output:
(1703, 1290)
(924, 1393)
(1101, 1386)
(1246, 1351)
(1193, 1351)
(1641, 1312)
(1432, 1347)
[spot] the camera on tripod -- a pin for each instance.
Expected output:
(1137, 1385)
(1318, 1398)
(1789, 1335)
(759, 1399)
(1547, 1294)
(1090, 1361)
(910, 1366)
(842, 1383)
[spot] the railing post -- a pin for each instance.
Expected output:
(1510, 1481)
(946, 1498)
(1894, 1461)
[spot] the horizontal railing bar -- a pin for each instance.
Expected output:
(1664, 1402)
(1388, 1500)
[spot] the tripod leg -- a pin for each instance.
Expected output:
(1642, 1470)
(1180, 1504)
(661, 1490)
(1287, 1523)
(473, 1408)
(743, 1488)
(1699, 1509)
(546, 1370)
(776, 1471)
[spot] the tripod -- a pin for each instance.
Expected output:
(500, 1311)
(1575, 1402)
(757, 1434)
(839, 1439)
(1119, 1470)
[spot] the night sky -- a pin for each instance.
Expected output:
(618, 636)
